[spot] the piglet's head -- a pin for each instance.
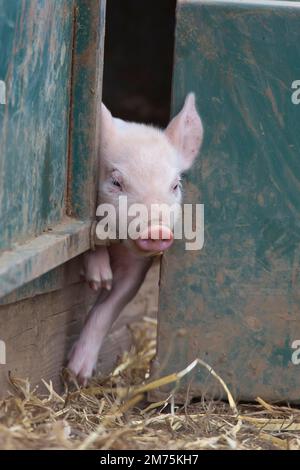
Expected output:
(144, 164)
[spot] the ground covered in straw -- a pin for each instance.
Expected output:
(112, 413)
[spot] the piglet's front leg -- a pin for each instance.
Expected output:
(128, 274)
(97, 269)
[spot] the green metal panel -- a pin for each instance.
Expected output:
(36, 52)
(238, 299)
(50, 92)
(86, 99)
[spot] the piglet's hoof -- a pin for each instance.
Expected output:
(82, 362)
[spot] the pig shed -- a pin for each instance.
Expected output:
(234, 303)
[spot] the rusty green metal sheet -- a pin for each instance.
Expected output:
(35, 65)
(236, 303)
(50, 92)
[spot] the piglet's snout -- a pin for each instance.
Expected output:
(155, 238)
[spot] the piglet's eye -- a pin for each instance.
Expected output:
(116, 180)
(176, 185)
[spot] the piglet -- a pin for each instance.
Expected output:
(143, 163)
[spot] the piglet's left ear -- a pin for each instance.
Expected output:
(185, 132)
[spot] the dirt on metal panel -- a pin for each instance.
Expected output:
(235, 303)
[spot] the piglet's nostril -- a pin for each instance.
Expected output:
(155, 239)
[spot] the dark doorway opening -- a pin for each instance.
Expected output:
(138, 59)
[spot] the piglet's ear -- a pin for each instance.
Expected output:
(185, 132)
(107, 122)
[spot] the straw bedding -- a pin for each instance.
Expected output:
(112, 412)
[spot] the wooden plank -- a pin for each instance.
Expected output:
(39, 332)
(34, 258)
(236, 303)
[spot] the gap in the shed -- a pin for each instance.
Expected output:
(137, 82)
(138, 59)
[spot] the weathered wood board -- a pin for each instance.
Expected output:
(38, 333)
(236, 303)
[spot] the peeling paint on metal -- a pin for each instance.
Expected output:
(236, 303)
(2, 92)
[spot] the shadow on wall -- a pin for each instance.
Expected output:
(138, 59)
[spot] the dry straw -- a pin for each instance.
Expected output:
(112, 412)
